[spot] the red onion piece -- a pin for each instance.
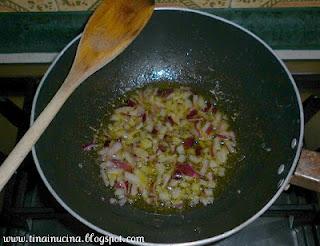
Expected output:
(179, 206)
(144, 117)
(198, 150)
(88, 147)
(122, 165)
(222, 136)
(162, 148)
(170, 120)
(188, 143)
(187, 170)
(209, 129)
(120, 185)
(131, 103)
(106, 143)
(207, 108)
(191, 114)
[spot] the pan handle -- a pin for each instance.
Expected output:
(307, 174)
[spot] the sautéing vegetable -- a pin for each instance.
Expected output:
(165, 147)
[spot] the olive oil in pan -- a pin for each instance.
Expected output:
(221, 182)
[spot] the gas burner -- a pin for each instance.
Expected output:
(29, 209)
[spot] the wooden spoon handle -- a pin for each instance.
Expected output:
(20, 151)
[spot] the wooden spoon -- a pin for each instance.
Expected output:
(111, 28)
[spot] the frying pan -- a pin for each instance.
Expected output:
(207, 53)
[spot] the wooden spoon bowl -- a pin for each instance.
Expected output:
(111, 28)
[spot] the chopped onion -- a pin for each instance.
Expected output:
(204, 167)
(131, 103)
(221, 136)
(176, 193)
(181, 158)
(207, 108)
(195, 100)
(122, 201)
(198, 150)
(122, 165)
(121, 185)
(188, 143)
(192, 114)
(131, 178)
(213, 164)
(164, 146)
(180, 149)
(88, 147)
(222, 155)
(110, 151)
(134, 190)
(230, 146)
(113, 201)
(170, 120)
(206, 126)
(221, 172)
(186, 169)
(194, 159)
(144, 117)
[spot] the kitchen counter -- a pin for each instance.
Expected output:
(34, 31)
(89, 5)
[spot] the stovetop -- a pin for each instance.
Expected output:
(29, 209)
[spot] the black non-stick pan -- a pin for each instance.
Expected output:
(206, 53)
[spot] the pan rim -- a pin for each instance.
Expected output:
(206, 240)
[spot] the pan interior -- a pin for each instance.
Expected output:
(179, 47)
